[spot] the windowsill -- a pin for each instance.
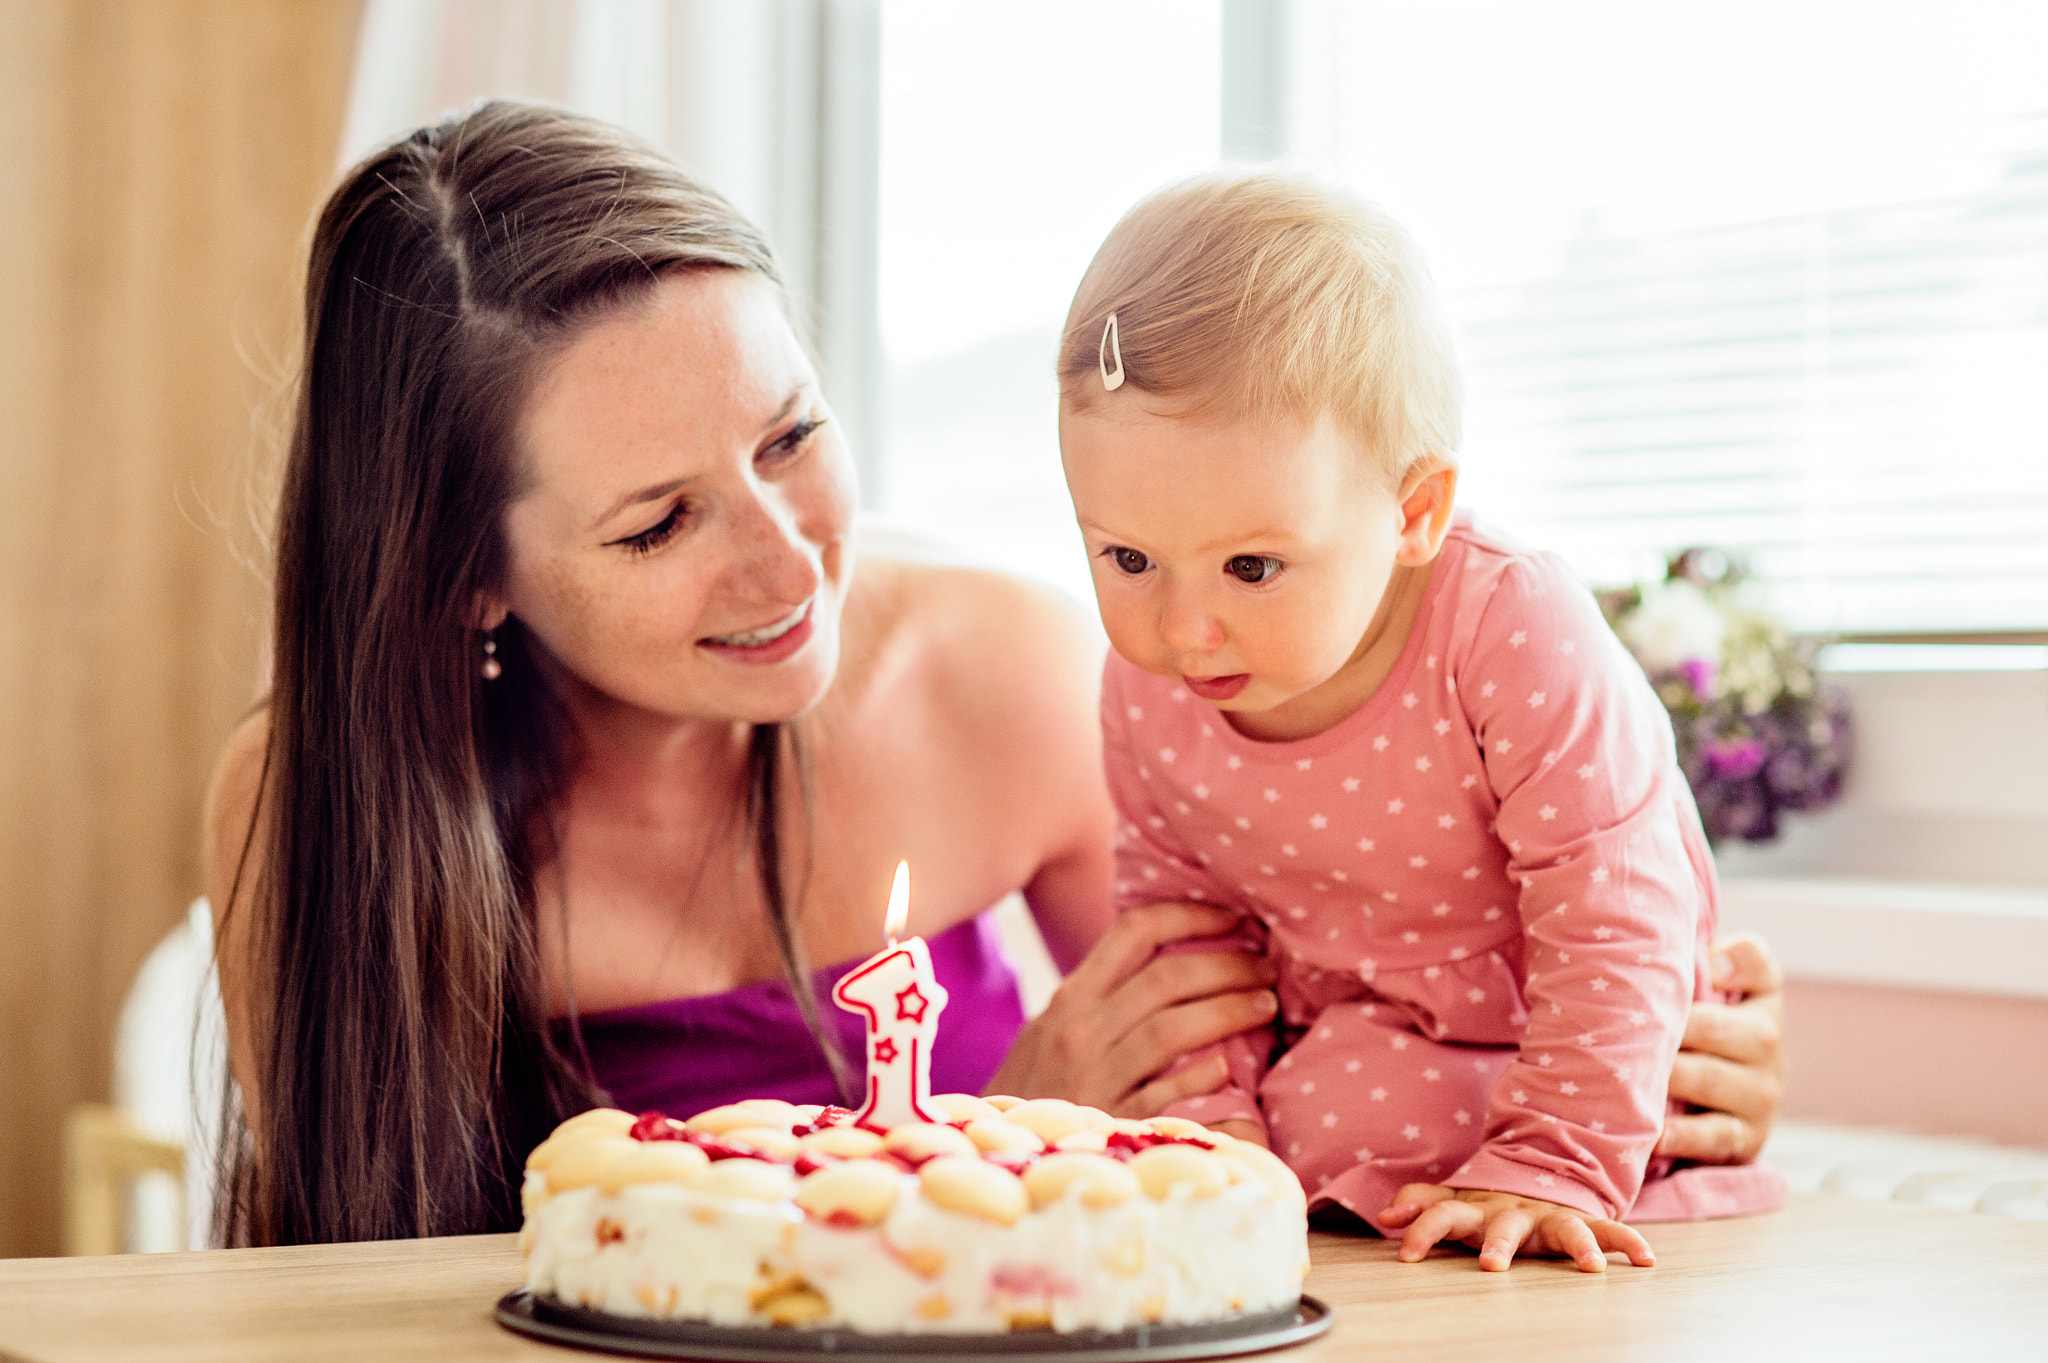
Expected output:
(1966, 939)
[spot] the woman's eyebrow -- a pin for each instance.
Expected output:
(660, 490)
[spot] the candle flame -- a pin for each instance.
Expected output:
(899, 903)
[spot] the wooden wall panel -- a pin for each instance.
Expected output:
(163, 160)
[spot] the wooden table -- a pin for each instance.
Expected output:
(1827, 1278)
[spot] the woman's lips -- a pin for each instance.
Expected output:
(1218, 688)
(770, 649)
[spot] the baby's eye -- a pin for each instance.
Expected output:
(1252, 567)
(1130, 561)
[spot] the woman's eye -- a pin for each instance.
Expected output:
(791, 442)
(1252, 567)
(658, 534)
(1130, 561)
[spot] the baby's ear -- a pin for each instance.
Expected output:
(1427, 493)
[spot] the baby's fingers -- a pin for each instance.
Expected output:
(1505, 1233)
(1447, 1220)
(1613, 1235)
(1570, 1236)
(1411, 1201)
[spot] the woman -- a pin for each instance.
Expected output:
(589, 732)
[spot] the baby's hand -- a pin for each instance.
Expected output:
(1498, 1224)
(1242, 1129)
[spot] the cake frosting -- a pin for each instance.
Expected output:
(1010, 1215)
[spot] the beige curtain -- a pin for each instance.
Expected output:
(162, 159)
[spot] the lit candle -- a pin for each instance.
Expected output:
(901, 998)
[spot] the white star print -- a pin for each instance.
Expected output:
(1233, 761)
(1462, 1117)
(1366, 844)
(1395, 806)
(1287, 849)
(1320, 888)
(1412, 1132)
(1599, 1126)
(1564, 957)
(1491, 915)
(1391, 896)
(1242, 822)
(1535, 699)
(1378, 1095)
(1352, 1067)
(1586, 772)
(1518, 1097)
(1330, 936)
(1544, 1060)
(1476, 995)
(1442, 727)
(1267, 871)
(1297, 913)
(1504, 746)
(1308, 1086)
(1568, 1088)
(1431, 664)
(1432, 1074)
(1603, 933)
(1550, 757)
(1486, 691)
(1418, 862)
(1468, 783)
(1470, 873)
(1441, 910)
(1398, 1041)
(1599, 985)
(1586, 1038)
(1303, 763)
(1182, 806)
(1432, 972)
(1350, 783)
(1272, 795)
(1329, 1119)
(1201, 792)
(1408, 699)
(1167, 754)
(1223, 838)
(1518, 638)
(1638, 1017)
(1422, 764)
(1445, 821)
(1208, 732)
(1144, 772)
(1135, 713)
(1599, 875)
(1546, 1181)
(1547, 813)
(1367, 968)
(1567, 647)
(1339, 876)
(1459, 953)
(1151, 873)
(1318, 821)
(1380, 744)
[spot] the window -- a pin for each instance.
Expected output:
(1012, 138)
(1767, 276)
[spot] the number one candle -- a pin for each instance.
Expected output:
(896, 991)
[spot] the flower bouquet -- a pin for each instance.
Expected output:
(1758, 732)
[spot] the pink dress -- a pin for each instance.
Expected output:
(1487, 890)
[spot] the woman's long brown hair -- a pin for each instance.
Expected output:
(406, 1063)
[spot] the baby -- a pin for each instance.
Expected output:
(1406, 748)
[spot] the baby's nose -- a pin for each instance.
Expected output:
(1188, 630)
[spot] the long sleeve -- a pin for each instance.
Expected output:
(1602, 842)
(1153, 866)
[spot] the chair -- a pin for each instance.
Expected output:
(151, 1152)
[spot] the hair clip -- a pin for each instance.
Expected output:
(1112, 379)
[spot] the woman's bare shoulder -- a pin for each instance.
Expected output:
(230, 848)
(986, 642)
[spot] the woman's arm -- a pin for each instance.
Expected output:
(1733, 1064)
(231, 874)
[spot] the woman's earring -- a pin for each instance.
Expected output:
(493, 669)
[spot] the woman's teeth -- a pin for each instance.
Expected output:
(767, 634)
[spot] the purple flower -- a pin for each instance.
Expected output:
(1736, 759)
(1700, 675)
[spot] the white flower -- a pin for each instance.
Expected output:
(1675, 622)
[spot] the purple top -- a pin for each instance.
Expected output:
(685, 1055)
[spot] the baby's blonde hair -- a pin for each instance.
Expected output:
(1271, 294)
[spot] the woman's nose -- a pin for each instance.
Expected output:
(777, 562)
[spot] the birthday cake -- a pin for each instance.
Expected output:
(994, 1215)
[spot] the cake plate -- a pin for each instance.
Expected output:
(547, 1319)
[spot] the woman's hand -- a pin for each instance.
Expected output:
(1126, 1013)
(1499, 1225)
(1733, 1064)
